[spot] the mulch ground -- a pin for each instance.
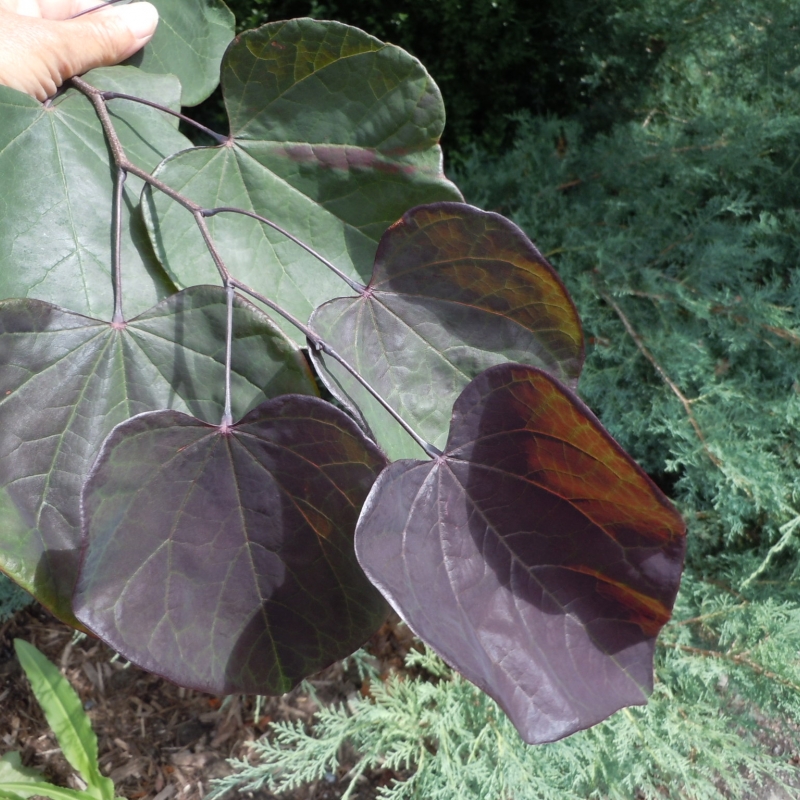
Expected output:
(158, 741)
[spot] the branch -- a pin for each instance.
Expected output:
(741, 660)
(662, 374)
(321, 345)
(710, 615)
(117, 151)
(99, 98)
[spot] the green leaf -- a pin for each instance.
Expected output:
(455, 290)
(67, 380)
(334, 136)
(19, 791)
(12, 771)
(189, 42)
(56, 194)
(65, 715)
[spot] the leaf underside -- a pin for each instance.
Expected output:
(224, 561)
(334, 136)
(67, 380)
(454, 291)
(56, 193)
(534, 555)
(189, 42)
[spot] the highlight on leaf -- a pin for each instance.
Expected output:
(454, 290)
(223, 559)
(534, 556)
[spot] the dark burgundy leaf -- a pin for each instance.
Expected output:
(223, 559)
(535, 556)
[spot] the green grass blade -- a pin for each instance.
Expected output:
(12, 771)
(23, 789)
(64, 712)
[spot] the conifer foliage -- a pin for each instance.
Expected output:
(170, 478)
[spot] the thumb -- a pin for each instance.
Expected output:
(104, 38)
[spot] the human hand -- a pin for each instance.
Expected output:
(40, 47)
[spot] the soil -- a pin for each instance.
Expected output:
(158, 741)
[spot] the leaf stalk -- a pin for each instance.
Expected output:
(227, 416)
(118, 319)
(217, 137)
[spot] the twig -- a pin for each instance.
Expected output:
(662, 374)
(783, 333)
(321, 345)
(98, 99)
(787, 531)
(741, 660)
(218, 137)
(117, 151)
(212, 247)
(711, 615)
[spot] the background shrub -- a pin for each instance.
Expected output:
(491, 58)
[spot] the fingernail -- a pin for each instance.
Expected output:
(141, 19)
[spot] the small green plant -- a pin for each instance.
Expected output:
(64, 713)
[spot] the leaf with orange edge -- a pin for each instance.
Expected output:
(454, 290)
(534, 555)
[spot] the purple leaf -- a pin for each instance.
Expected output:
(222, 559)
(534, 556)
(454, 291)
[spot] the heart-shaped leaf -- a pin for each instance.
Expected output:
(189, 42)
(534, 555)
(334, 136)
(223, 559)
(67, 380)
(454, 291)
(56, 194)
